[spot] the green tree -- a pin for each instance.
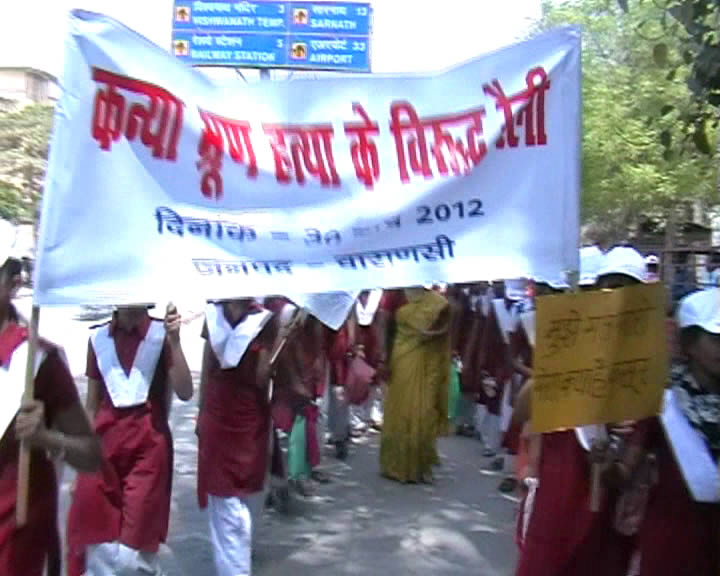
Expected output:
(639, 155)
(10, 202)
(24, 143)
(697, 24)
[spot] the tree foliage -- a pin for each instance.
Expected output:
(697, 24)
(640, 153)
(24, 143)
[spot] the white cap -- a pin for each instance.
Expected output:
(626, 261)
(592, 260)
(701, 309)
(515, 289)
(652, 260)
(8, 239)
(557, 283)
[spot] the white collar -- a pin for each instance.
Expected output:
(586, 435)
(485, 304)
(505, 318)
(527, 319)
(228, 343)
(366, 314)
(127, 390)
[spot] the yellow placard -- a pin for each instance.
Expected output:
(600, 357)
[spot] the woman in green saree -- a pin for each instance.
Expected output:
(416, 405)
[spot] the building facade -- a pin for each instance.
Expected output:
(23, 86)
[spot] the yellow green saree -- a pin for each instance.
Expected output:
(416, 405)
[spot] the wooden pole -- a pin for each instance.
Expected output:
(595, 487)
(23, 482)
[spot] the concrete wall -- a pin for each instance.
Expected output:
(26, 86)
(12, 85)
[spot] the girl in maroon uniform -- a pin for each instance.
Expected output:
(119, 517)
(55, 426)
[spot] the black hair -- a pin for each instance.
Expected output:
(688, 337)
(11, 268)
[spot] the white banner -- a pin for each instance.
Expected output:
(164, 182)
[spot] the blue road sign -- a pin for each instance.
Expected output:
(270, 34)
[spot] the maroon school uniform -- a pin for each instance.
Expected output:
(521, 343)
(235, 424)
(521, 348)
(24, 551)
(564, 538)
(129, 499)
(473, 350)
(495, 360)
(678, 536)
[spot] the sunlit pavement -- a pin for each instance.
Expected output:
(359, 524)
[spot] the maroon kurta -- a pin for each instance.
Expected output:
(23, 552)
(338, 357)
(494, 361)
(520, 347)
(300, 379)
(472, 351)
(678, 536)
(341, 347)
(129, 499)
(564, 538)
(522, 350)
(235, 426)
(461, 321)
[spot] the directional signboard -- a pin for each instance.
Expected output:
(270, 34)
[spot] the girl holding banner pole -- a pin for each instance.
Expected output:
(119, 517)
(53, 424)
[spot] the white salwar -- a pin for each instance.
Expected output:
(372, 409)
(115, 559)
(232, 521)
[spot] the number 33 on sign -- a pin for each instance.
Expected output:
(444, 212)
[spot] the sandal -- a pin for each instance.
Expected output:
(320, 477)
(508, 485)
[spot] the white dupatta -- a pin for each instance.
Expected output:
(12, 382)
(527, 319)
(698, 467)
(366, 314)
(228, 343)
(505, 318)
(127, 390)
(485, 302)
(587, 435)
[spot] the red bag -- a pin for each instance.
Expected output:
(359, 377)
